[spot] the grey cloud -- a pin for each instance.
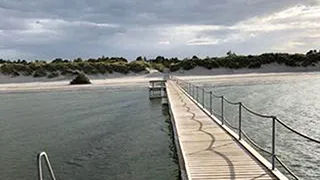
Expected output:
(150, 12)
(47, 29)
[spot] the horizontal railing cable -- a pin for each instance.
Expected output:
(286, 168)
(255, 144)
(216, 114)
(216, 96)
(296, 132)
(255, 113)
(228, 123)
(230, 102)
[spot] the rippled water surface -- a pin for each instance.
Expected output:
(295, 100)
(101, 133)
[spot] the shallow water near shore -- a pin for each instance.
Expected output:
(101, 133)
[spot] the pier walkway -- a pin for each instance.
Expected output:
(208, 151)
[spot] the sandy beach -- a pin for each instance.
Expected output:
(267, 74)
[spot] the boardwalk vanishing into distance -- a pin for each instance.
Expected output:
(206, 149)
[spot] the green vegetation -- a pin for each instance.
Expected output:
(58, 67)
(80, 79)
(103, 65)
(233, 61)
(53, 74)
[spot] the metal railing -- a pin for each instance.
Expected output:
(39, 157)
(196, 91)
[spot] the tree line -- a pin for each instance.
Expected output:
(103, 65)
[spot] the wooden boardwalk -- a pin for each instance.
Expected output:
(207, 150)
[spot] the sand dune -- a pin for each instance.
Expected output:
(217, 76)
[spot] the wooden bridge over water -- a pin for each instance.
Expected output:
(208, 150)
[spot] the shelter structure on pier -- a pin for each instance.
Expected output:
(157, 89)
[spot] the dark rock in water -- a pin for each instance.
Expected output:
(81, 79)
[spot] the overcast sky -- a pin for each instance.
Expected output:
(46, 29)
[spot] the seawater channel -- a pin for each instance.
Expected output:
(112, 132)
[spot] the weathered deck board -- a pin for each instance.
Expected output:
(208, 151)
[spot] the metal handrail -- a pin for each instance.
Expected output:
(255, 113)
(230, 102)
(286, 168)
(229, 124)
(255, 144)
(296, 132)
(216, 114)
(241, 132)
(216, 96)
(40, 175)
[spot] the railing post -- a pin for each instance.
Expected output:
(197, 94)
(192, 91)
(211, 102)
(273, 143)
(194, 95)
(222, 113)
(203, 97)
(240, 120)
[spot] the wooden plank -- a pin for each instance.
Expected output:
(208, 151)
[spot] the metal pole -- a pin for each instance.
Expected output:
(203, 97)
(210, 102)
(193, 91)
(240, 120)
(46, 159)
(273, 143)
(197, 94)
(222, 118)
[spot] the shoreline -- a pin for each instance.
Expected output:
(198, 74)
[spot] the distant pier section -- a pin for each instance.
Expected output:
(157, 89)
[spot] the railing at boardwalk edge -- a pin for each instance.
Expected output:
(200, 94)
